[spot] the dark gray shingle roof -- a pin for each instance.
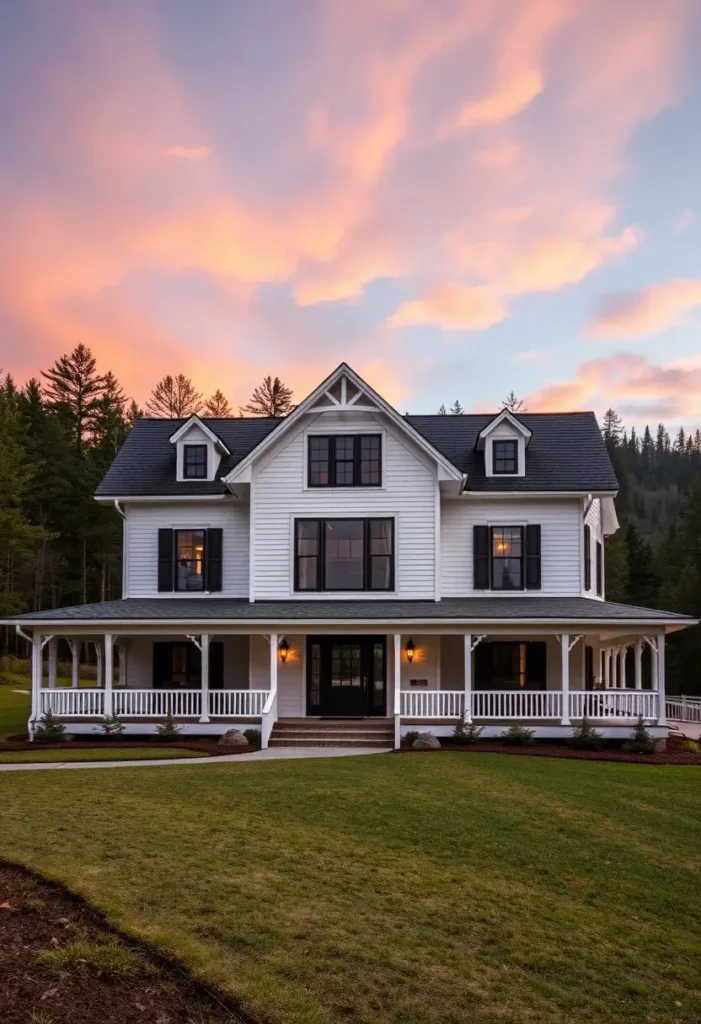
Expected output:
(566, 453)
(457, 609)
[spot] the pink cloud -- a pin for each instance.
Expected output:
(189, 152)
(648, 311)
(454, 307)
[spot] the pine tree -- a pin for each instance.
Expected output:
(642, 583)
(456, 409)
(513, 403)
(217, 406)
(272, 398)
(612, 428)
(616, 560)
(174, 398)
(74, 391)
(680, 441)
(442, 411)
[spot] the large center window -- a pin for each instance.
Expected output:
(344, 460)
(344, 554)
(507, 557)
(189, 559)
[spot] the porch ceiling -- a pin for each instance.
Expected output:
(456, 612)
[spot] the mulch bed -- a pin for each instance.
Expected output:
(670, 756)
(36, 915)
(204, 746)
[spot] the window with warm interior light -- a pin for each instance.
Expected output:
(344, 554)
(189, 560)
(507, 557)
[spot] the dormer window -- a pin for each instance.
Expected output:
(505, 457)
(195, 461)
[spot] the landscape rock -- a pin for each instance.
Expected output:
(233, 738)
(426, 741)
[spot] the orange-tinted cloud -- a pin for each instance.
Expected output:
(648, 311)
(629, 383)
(452, 306)
(189, 152)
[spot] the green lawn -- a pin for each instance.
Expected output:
(393, 888)
(104, 754)
(14, 710)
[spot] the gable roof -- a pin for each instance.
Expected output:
(502, 416)
(566, 451)
(197, 421)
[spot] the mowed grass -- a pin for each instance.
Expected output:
(39, 756)
(14, 709)
(393, 888)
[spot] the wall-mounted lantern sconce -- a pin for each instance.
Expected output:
(410, 651)
(284, 649)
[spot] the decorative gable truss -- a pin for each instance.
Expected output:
(504, 442)
(198, 451)
(345, 392)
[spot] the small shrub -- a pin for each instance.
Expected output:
(585, 737)
(111, 726)
(11, 665)
(49, 728)
(691, 747)
(253, 736)
(642, 742)
(518, 736)
(409, 737)
(169, 729)
(466, 732)
(109, 959)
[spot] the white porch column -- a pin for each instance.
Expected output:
(273, 662)
(75, 662)
(614, 667)
(468, 677)
(109, 671)
(661, 681)
(53, 662)
(565, 652)
(397, 689)
(122, 663)
(622, 656)
(204, 648)
(98, 662)
(638, 664)
(37, 656)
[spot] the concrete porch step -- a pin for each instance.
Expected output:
(333, 732)
(329, 741)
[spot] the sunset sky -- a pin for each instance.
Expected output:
(457, 198)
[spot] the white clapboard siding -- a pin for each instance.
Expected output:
(142, 526)
(561, 527)
(291, 678)
(407, 494)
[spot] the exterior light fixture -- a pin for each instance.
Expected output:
(410, 651)
(284, 649)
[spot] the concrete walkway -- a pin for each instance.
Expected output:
(271, 754)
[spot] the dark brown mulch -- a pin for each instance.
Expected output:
(205, 746)
(36, 915)
(673, 756)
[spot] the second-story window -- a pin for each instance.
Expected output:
(195, 461)
(345, 460)
(344, 554)
(507, 558)
(189, 559)
(504, 457)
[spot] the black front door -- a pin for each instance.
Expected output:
(346, 676)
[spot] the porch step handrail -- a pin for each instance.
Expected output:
(683, 709)
(268, 718)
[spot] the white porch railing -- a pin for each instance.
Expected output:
(70, 702)
(684, 709)
(237, 703)
(268, 718)
(598, 704)
(432, 703)
(517, 704)
(157, 703)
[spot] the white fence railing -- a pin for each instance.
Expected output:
(684, 709)
(237, 703)
(517, 704)
(432, 703)
(73, 702)
(157, 703)
(613, 704)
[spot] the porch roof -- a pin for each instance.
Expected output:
(462, 610)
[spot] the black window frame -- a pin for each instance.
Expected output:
(513, 458)
(521, 558)
(367, 555)
(176, 560)
(587, 557)
(199, 448)
(357, 459)
(599, 569)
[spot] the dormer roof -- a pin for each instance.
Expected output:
(182, 432)
(505, 416)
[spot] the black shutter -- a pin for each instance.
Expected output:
(480, 558)
(587, 557)
(588, 668)
(599, 568)
(533, 557)
(162, 665)
(216, 665)
(213, 552)
(484, 666)
(165, 560)
(536, 665)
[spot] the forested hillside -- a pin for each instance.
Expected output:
(61, 430)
